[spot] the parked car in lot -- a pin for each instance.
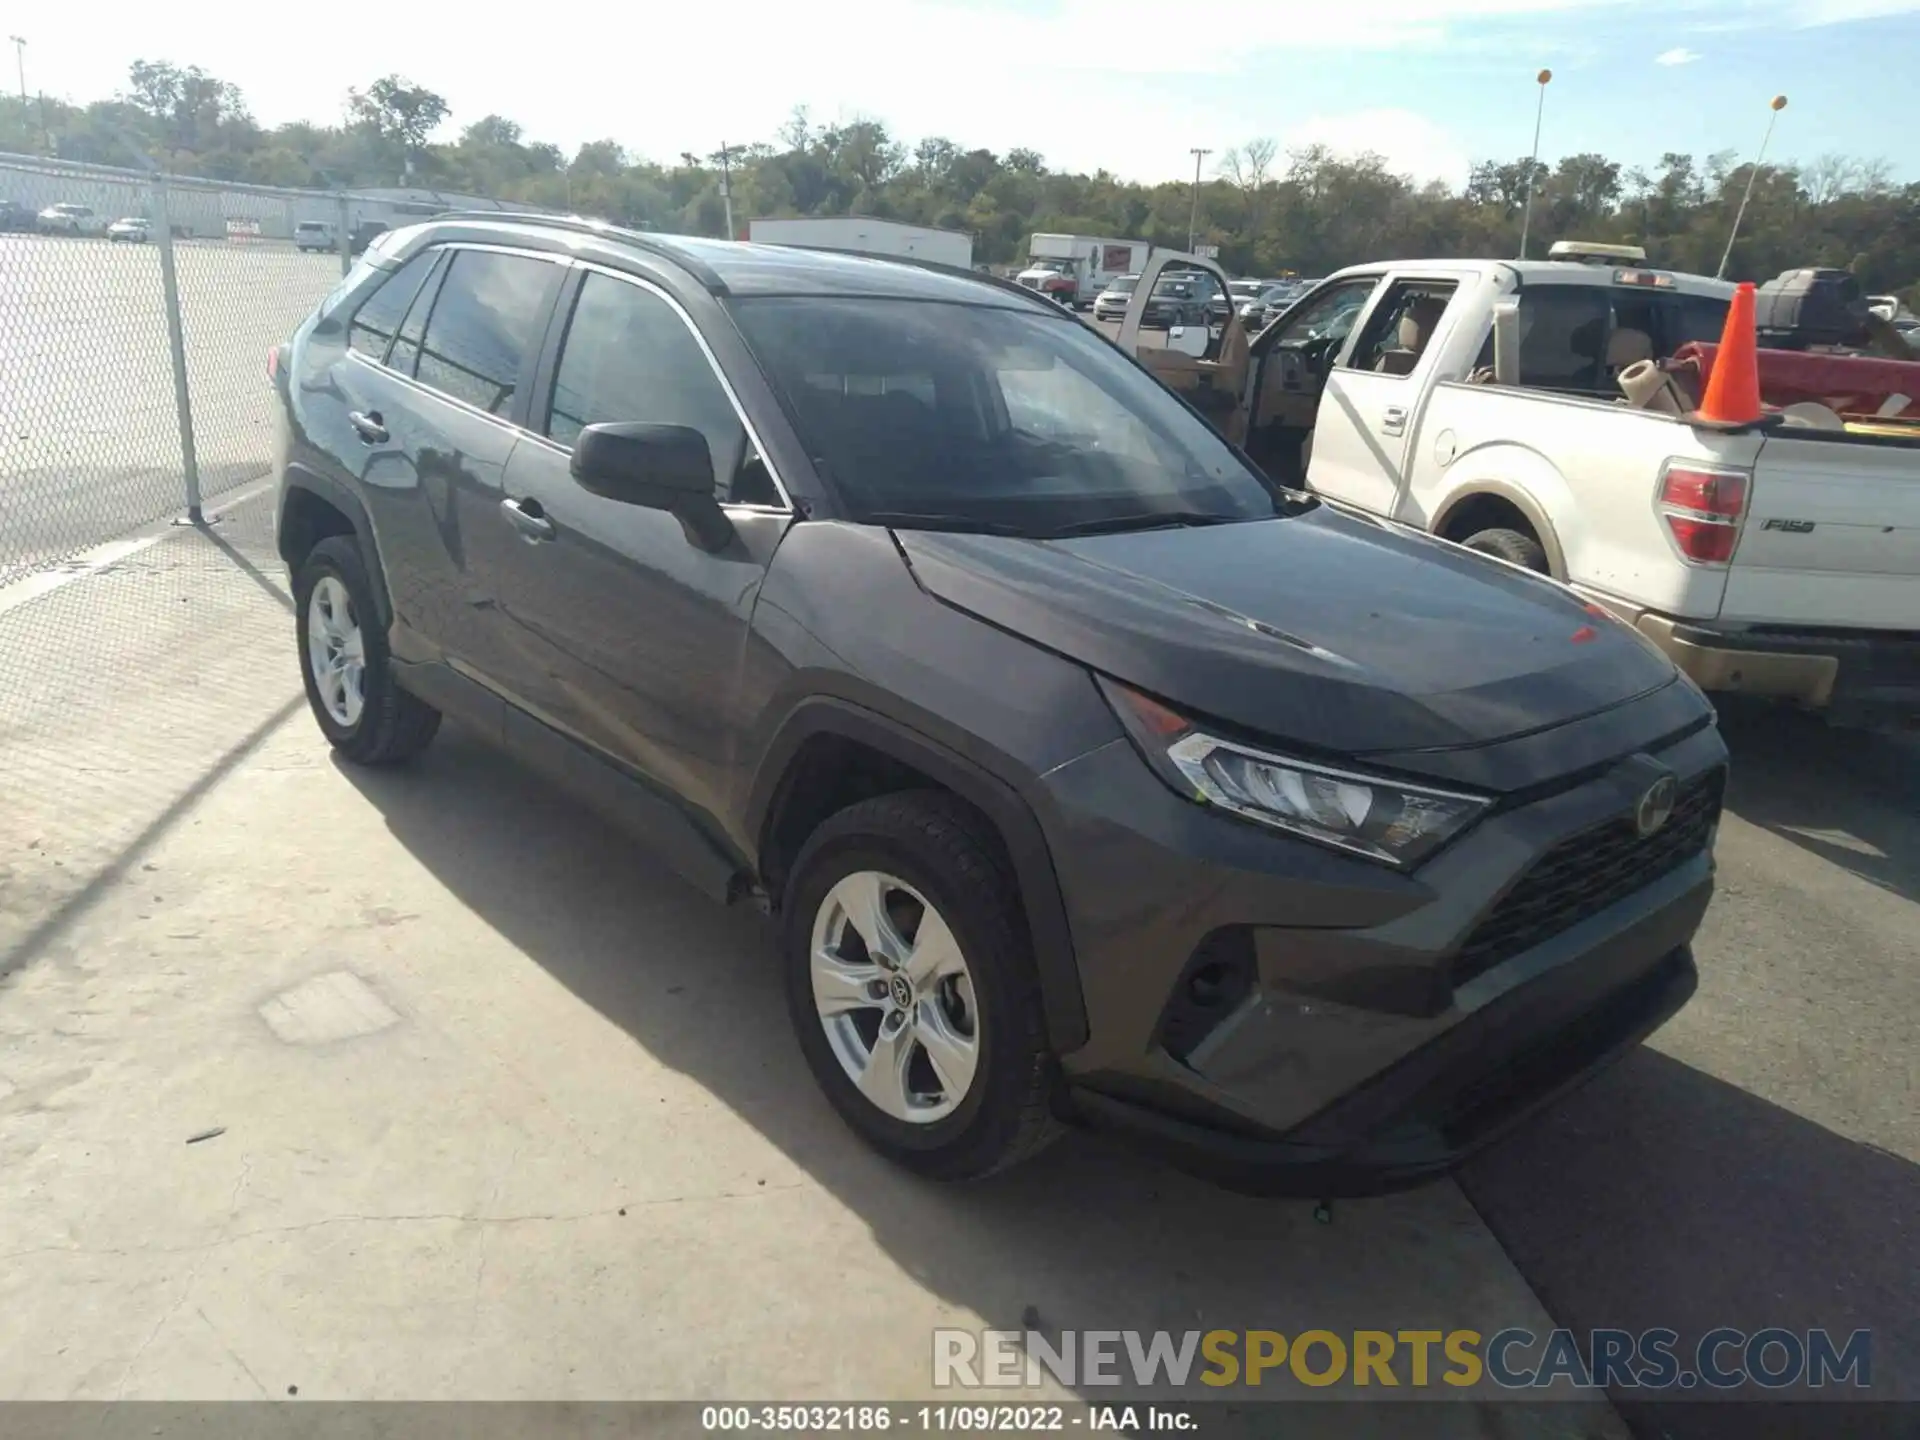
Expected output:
(315, 235)
(1275, 302)
(1253, 311)
(68, 219)
(1111, 303)
(1180, 298)
(1089, 772)
(131, 229)
(364, 234)
(15, 217)
(1238, 295)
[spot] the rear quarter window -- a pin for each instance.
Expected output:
(374, 323)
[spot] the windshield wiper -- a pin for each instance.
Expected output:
(1147, 520)
(908, 520)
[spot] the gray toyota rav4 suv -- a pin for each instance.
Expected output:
(1089, 775)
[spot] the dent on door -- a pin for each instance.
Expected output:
(1213, 380)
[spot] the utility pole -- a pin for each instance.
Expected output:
(20, 65)
(726, 188)
(1775, 106)
(1193, 219)
(1533, 160)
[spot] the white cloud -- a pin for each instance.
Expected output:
(1679, 55)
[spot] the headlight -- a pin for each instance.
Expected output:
(1392, 821)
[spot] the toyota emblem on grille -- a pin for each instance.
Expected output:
(1655, 807)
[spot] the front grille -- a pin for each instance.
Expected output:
(1583, 875)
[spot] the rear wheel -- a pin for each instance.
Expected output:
(1513, 546)
(344, 662)
(912, 989)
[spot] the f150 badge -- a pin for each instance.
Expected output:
(1791, 527)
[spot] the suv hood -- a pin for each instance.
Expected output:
(1323, 629)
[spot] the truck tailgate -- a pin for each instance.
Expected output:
(1831, 537)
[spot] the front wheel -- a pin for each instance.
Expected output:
(912, 990)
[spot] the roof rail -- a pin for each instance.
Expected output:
(937, 267)
(581, 225)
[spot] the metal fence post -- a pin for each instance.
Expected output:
(346, 238)
(177, 344)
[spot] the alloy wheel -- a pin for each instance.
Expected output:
(895, 997)
(336, 651)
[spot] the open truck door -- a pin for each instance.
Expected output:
(1208, 370)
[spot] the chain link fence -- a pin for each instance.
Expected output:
(136, 313)
(139, 657)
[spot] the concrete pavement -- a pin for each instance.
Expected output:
(502, 1110)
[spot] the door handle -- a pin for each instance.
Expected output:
(369, 425)
(1393, 420)
(526, 517)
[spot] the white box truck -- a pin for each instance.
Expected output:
(865, 235)
(1074, 268)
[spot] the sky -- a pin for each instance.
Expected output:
(1125, 85)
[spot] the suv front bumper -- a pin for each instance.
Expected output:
(1364, 1034)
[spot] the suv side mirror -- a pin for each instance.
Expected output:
(661, 467)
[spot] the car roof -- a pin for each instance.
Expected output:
(1548, 272)
(743, 268)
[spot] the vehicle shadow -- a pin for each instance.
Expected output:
(1088, 1236)
(1661, 1196)
(1849, 797)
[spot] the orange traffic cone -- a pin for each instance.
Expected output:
(1733, 389)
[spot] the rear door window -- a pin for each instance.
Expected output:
(482, 326)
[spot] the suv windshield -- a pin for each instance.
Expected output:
(1125, 285)
(965, 417)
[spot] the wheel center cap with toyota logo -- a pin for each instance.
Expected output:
(1655, 807)
(902, 989)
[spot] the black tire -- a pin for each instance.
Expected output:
(393, 725)
(1513, 546)
(940, 848)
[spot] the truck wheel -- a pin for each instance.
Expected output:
(1513, 547)
(912, 989)
(344, 663)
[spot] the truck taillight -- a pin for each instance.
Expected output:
(1702, 507)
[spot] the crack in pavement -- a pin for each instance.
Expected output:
(431, 1217)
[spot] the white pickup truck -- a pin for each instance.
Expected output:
(1770, 561)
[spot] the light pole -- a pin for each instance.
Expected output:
(1774, 107)
(1533, 160)
(20, 66)
(1193, 218)
(726, 188)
